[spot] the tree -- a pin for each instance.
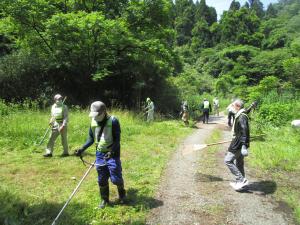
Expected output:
(239, 26)
(235, 5)
(258, 7)
(184, 21)
(246, 5)
(271, 11)
(201, 36)
(206, 13)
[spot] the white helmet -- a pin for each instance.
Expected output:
(57, 97)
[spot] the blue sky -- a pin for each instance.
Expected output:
(221, 5)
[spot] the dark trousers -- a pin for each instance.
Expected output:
(205, 115)
(230, 116)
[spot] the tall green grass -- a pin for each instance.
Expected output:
(278, 156)
(33, 189)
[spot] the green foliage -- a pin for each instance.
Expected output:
(292, 67)
(234, 52)
(224, 85)
(238, 26)
(259, 91)
(4, 109)
(271, 11)
(257, 7)
(277, 39)
(201, 36)
(275, 109)
(279, 154)
(275, 114)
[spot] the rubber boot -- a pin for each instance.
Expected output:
(104, 194)
(122, 193)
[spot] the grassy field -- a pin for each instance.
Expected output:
(278, 157)
(33, 189)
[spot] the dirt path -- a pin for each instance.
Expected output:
(195, 189)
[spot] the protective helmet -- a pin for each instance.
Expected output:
(97, 108)
(57, 97)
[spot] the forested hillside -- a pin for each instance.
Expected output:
(124, 51)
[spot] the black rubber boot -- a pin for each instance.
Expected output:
(122, 193)
(104, 194)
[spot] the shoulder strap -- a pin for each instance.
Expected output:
(101, 130)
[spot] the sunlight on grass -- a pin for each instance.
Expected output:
(34, 189)
(279, 157)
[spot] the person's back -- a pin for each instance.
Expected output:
(206, 109)
(230, 109)
(216, 106)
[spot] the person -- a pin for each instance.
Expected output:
(239, 145)
(185, 112)
(230, 110)
(58, 122)
(149, 110)
(105, 132)
(206, 108)
(216, 106)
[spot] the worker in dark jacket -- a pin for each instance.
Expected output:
(239, 145)
(105, 132)
(206, 108)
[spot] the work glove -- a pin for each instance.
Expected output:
(78, 152)
(244, 151)
(109, 155)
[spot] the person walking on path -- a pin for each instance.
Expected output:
(239, 145)
(105, 131)
(216, 106)
(58, 122)
(230, 110)
(206, 108)
(185, 113)
(150, 110)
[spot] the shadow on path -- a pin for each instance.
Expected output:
(200, 177)
(261, 187)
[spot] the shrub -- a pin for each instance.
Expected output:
(275, 114)
(4, 109)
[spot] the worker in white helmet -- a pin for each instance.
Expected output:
(58, 122)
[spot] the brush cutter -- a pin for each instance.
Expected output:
(41, 142)
(77, 187)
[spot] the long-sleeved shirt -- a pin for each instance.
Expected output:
(241, 132)
(116, 133)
